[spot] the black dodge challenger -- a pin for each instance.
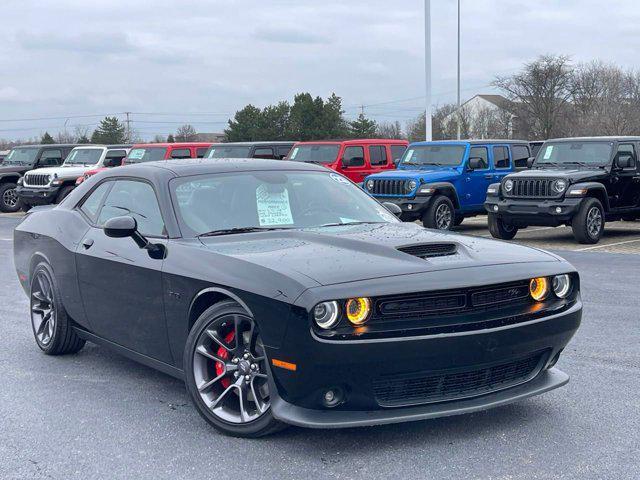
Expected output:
(283, 294)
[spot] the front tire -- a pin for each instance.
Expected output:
(499, 229)
(588, 223)
(52, 327)
(64, 191)
(227, 372)
(9, 200)
(440, 214)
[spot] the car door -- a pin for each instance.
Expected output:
(120, 284)
(354, 164)
(501, 162)
(51, 157)
(378, 158)
(473, 191)
(623, 189)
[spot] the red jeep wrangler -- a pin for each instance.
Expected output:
(354, 159)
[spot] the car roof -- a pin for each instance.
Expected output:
(491, 141)
(176, 144)
(595, 139)
(251, 144)
(51, 145)
(198, 166)
(354, 141)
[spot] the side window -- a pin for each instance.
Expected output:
(200, 152)
(283, 152)
(377, 155)
(520, 154)
(92, 203)
(114, 158)
(135, 198)
(501, 157)
(50, 158)
(482, 154)
(397, 151)
(353, 157)
(627, 152)
(263, 152)
(181, 153)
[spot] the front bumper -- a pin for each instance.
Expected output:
(521, 212)
(412, 207)
(354, 366)
(37, 195)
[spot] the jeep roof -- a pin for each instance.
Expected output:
(474, 142)
(611, 138)
(356, 141)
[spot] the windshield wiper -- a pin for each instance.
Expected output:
(230, 231)
(340, 224)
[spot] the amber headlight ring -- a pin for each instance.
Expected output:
(358, 310)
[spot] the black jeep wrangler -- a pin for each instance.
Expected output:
(581, 182)
(19, 161)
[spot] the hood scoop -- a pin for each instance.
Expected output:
(429, 250)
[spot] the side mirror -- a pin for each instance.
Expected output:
(624, 162)
(396, 161)
(475, 163)
(530, 161)
(126, 226)
(393, 208)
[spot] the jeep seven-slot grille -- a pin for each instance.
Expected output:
(431, 387)
(427, 250)
(388, 187)
(36, 179)
(533, 188)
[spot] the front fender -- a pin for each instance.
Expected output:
(591, 188)
(442, 188)
(9, 177)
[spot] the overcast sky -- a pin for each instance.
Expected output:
(67, 58)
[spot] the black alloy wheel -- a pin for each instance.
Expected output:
(588, 223)
(9, 200)
(500, 229)
(440, 214)
(227, 372)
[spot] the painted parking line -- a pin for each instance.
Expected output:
(607, 245)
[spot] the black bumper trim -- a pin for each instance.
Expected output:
(534, 212)
(37, 195)
(304, 417)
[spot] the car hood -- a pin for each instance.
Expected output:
(573, 175)
(344, 254)
(4, 169)
(64, 172)
(426, 175)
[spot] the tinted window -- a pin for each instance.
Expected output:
(181, 153)
(378, 155)
(92, 204)
(137, 199)
(51, 157)
(138, 155)
(322, 153)
(83, 156)
(438, 155)
(520, 154)
(200, 152)
(263, 152)
(501, 157)
(354, 156)
(397, 151)
(221, 151)
(21, 156)
(481, 153)
(283, 151)
(535, 148)
(578, 152)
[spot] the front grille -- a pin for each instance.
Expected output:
(432, 387)
(388, 187)
(36, 180)
(533, 188)
(427, 250)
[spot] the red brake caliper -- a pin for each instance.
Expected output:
(224, 355)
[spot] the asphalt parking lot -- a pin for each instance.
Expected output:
(98, 415)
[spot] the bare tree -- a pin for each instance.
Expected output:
(186, 133)
(390, 130)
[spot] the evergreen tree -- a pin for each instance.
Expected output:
(83, 139)
(170, 138)
(47, 139)
(110, 131)
(362, 127)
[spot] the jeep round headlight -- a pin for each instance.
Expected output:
(411, 185)
(358, 310)
(539, 288)
(326, 314)
(508, 186)
(562, 285)
(560, 185)
(369, 185)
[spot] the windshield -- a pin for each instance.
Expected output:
(83, 156)
(439, 155)
(21, 156)
(315, 153)
(272, 200)
(151, 154)
(228, 152)
(574, 153)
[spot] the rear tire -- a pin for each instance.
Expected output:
(499, 229)
(64, 191)
(52, 327)
(588, 223)
(9, 200)
(458, 220)
(440, 214)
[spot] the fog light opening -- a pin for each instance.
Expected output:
(332, 397)
(558, 209)
(409, 207)
(495, 208)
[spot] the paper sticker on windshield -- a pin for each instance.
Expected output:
(273, 206)
(339, 178)
(294, 153)
(548, 152)
(136, 153)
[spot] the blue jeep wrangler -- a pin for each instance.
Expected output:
(443, 182)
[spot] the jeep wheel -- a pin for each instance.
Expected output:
(439, 215)
(588, 223)
(458, 220)
(64, 191)
(499, 229)
(9, 200)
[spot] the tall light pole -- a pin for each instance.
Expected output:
(427, 69)
(458, 116)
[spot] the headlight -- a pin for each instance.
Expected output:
(539, 288)
(411, 185)
(559, 185)
(358, 310)
(562, 285)
(326, 314)
(508, 186)
(20, 181)
(369, 185)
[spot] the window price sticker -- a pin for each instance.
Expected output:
(273, 207)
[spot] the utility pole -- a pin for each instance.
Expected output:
(128, 127)
(427, 70)
(458, 115)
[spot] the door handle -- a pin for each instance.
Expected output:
(87, 243)
(488, 175)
